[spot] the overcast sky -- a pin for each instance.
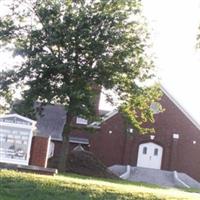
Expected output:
(174, 27)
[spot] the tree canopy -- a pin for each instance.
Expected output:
(69, 47)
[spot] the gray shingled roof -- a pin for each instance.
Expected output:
(51, 121)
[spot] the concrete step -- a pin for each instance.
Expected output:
(29, 168)
(117, 169)
(189, 180)
(153, 176)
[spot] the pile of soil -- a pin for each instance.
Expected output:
(85, 163)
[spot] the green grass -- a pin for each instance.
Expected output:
(24, 186)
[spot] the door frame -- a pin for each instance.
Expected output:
(154, 142)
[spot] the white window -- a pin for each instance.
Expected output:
(14, 147)
(51, 150)
(175, 136)
(145, 150)
(155, 107)
(156, 152)
(15, 139)
(79, 147)
(80, 120)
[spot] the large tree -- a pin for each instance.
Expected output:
(71, 47)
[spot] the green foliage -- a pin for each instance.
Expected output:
(70, 49)
(5, 101)
(71, 46)
(25, 109)
(21, 186)
(136, 109)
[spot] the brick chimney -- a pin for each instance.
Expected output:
(97, 90)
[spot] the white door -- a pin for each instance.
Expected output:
(150, 155)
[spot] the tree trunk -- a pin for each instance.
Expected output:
(65, 144)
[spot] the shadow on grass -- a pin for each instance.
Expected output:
(18, 186)
(125, 182)
(115, 181)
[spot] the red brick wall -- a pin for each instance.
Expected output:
(109, 142)
(181, 155)
(39, 150)
(187, 157)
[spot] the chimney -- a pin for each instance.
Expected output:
(97, 90)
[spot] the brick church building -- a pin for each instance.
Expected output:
(174, 146)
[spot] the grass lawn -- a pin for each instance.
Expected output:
(24, 186)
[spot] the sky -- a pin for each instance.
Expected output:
(173, 25)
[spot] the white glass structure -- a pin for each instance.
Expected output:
(15, 139)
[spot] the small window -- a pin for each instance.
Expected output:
(131, 130)
(155, 152)
(79, 147)
(155, 107)
(145, 150)
(80, 120)
(51, 150)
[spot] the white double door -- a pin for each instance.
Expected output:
(150, 155)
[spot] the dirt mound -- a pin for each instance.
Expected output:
(85, 163)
